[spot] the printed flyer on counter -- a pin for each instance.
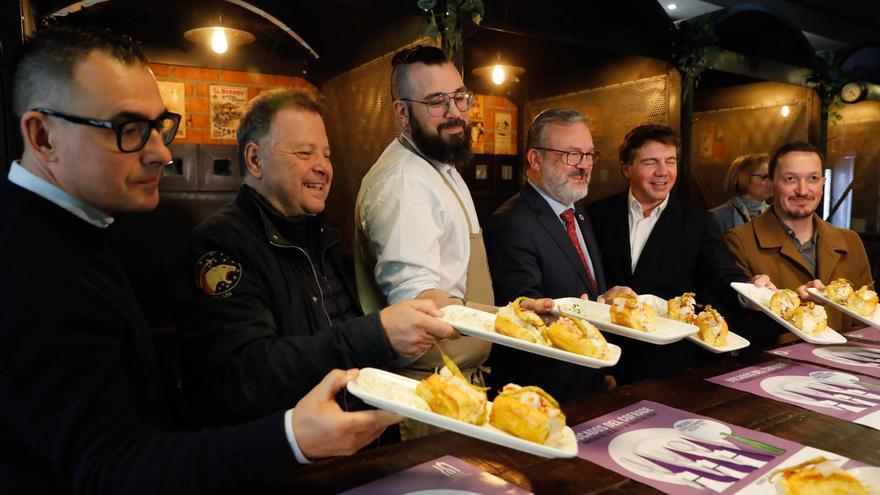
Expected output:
(852, 356)
(869, 333)
(444, 475)
(842, 395)
(680, 452)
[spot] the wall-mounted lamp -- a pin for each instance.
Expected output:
(499, 73)
(785, 111)
(219, 38)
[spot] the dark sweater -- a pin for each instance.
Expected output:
(80, 406)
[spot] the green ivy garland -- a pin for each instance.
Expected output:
(828, 81)
(452, 18)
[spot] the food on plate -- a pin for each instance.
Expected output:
(515, 321)
(577, 336)
(863, 301)
(713, 328)
(839, 290)
(450, 394)
(626, 310)
(817, 477)
(529, 413)
(784, 303)
(681, 308)
(810, 318)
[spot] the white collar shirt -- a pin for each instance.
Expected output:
(26, 179)
(416, 229)
(640, 226)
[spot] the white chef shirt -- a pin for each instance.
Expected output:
(415, 226)
(640, 226)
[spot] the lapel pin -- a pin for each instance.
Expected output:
(581, 217)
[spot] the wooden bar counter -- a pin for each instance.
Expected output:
(686, 390)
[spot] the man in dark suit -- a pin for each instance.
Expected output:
(540, 244)
(81, 407)
(658, 244)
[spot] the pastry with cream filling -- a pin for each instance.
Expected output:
(515, 321)
(839, 290)
(529, 413)
(817, 477)
(681, 308)
(784, 303)
(713, 328)
(810, 318)
(448, 393)
(627, 311)
(577, 336)
(862, 301)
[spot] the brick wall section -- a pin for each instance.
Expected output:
(197, 80)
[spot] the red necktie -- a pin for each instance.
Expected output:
(568, 217)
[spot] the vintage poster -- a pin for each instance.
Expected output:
(860, 358)
(227, 107)
(503, 132)
(834, 393)
(476, 125)
(681, 453)
(174, 97)
(444, 475)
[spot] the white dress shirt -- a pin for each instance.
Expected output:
(26, 179)
(558, 208)
(640, 226)
(415, 226)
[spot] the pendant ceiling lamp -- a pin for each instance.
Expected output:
(220, 38)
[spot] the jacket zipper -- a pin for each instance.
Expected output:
(314, 274)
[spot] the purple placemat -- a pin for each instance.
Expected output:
(445, 475)
(852, 356)
(835, 393)
(869, 333)
(680, 452)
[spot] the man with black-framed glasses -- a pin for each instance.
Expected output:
(81, 404)
(540, 243)
(418, 236)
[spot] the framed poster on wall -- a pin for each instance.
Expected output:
(227, 107)
(174, 96)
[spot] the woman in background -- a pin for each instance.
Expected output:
(748, 182)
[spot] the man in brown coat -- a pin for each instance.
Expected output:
(792, 244)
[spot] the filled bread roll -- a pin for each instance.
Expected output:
(713, 328)
(839, 290)
(449, 394)
(529, 413)
(626, 310)
(810, 318)
(577, 336)
(817, 477)
(681, 308)
(515, 321)
(862, 301)
(784, 302)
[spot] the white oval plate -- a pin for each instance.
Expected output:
(873, 319)
(481, 325)
(760, 296)
(734, 341)
(668, 331)
(396, 393)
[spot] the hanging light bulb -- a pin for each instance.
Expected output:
(498, 75)
(219, 43)
(785, 111)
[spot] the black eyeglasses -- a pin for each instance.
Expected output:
(575, 158)
(132, 134)
(439, 104)
(763, 177)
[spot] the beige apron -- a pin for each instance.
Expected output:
(467, 352)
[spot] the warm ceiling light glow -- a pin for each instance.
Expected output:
(218, 41)
(785, 111)
(672, 6)
(498, 75)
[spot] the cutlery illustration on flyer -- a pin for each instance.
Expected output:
(852, 356)
(680, 452)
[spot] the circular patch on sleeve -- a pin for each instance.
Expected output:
(218, 273)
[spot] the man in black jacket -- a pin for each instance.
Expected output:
(658, 244)
(540, 244)
(79, 395)
(265, 309)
